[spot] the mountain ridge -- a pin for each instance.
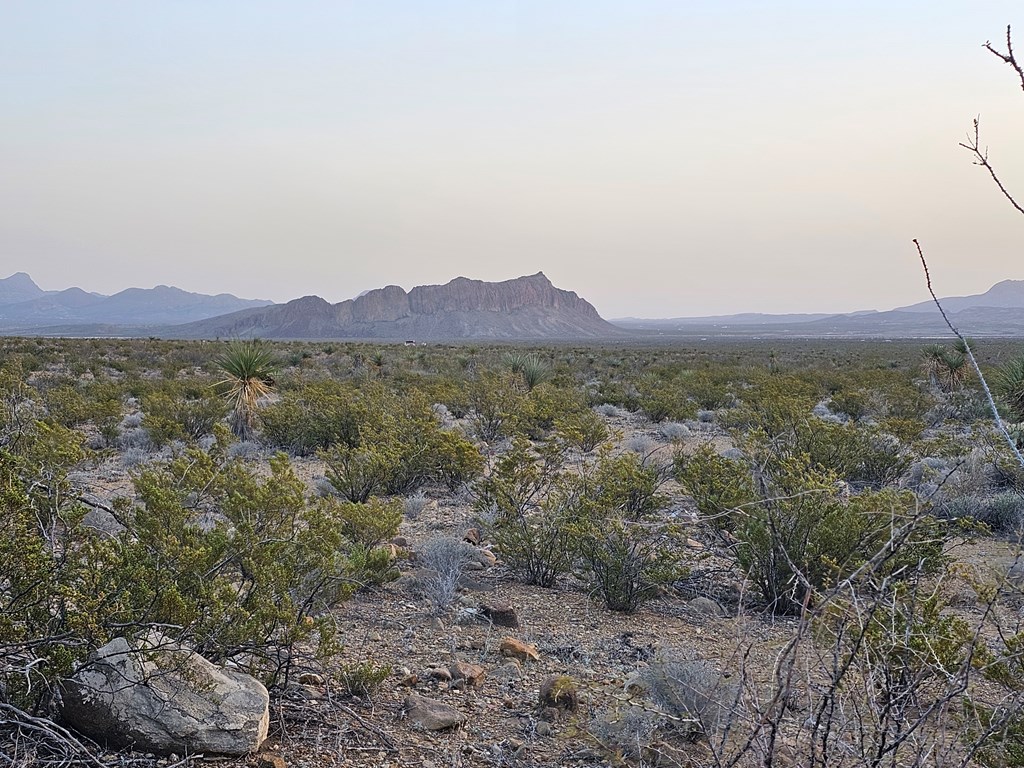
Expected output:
(24, 304)
(527, 307)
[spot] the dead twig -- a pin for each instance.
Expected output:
(1000, 425)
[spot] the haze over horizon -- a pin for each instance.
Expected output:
(661, 159)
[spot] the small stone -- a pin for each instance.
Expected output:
(271, 760)
(694, 544)
(474, 585)
(517, 649)
(401, 542)
(439, 673)
(473, 674)
(432, 715)
(436, 624)
(485, 557)
(311, 678)
(501, 615)
(543, 728)
(704, 606)
(511, 670)
(474, 565)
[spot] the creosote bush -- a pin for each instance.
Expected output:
(236, 565)
(601, 518)
(527, 516)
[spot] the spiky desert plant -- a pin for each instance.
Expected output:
(931, 362)
(946, 367)
(248, 368)
(1009, 385)
(529, 367)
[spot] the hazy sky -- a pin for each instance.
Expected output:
(659, 158)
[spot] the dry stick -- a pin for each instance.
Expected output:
(48, 730)
(974, 363)
(1008, 57)
(981, 158)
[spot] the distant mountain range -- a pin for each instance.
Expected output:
(527, 308)
(524, 308)
(24, 305)
(997, 312)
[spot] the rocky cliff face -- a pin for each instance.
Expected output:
(462, 294)
(523, 308)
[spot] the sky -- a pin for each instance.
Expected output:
(661, 159)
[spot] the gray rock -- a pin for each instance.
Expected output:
(102, 521)
(511, 670)
(704, 606)
(157, 696)
(432, 715)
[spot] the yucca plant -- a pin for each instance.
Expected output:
(248, 368)
(530, 368)
(945, 367)
(1008, 382)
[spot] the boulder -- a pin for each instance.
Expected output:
(157, 696)
(432, 715)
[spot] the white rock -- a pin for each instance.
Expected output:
(157, 696)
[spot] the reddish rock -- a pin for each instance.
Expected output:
(517, 649)
(473, 674)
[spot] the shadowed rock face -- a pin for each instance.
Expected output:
(524, 308)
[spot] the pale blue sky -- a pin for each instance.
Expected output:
(660, 158)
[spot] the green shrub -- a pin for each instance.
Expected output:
(170, 416)
(545, 405)
(854, 453)
(527, 518)
(584, 430)
(495, 406)
(720, 486)
(529, 368)
(357, 474)
(399, 447)
(367, 524)
(237, 564)
(807, 533)
(628, 552)
(317, 416)
(1008, 384)
(362, 679)
(661, 400)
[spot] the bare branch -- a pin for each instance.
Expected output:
(1008, 57)
(1000, 425)
(973, 145)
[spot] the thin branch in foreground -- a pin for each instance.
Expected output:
(973, 145)
(1000, 425)
(1008, 57)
